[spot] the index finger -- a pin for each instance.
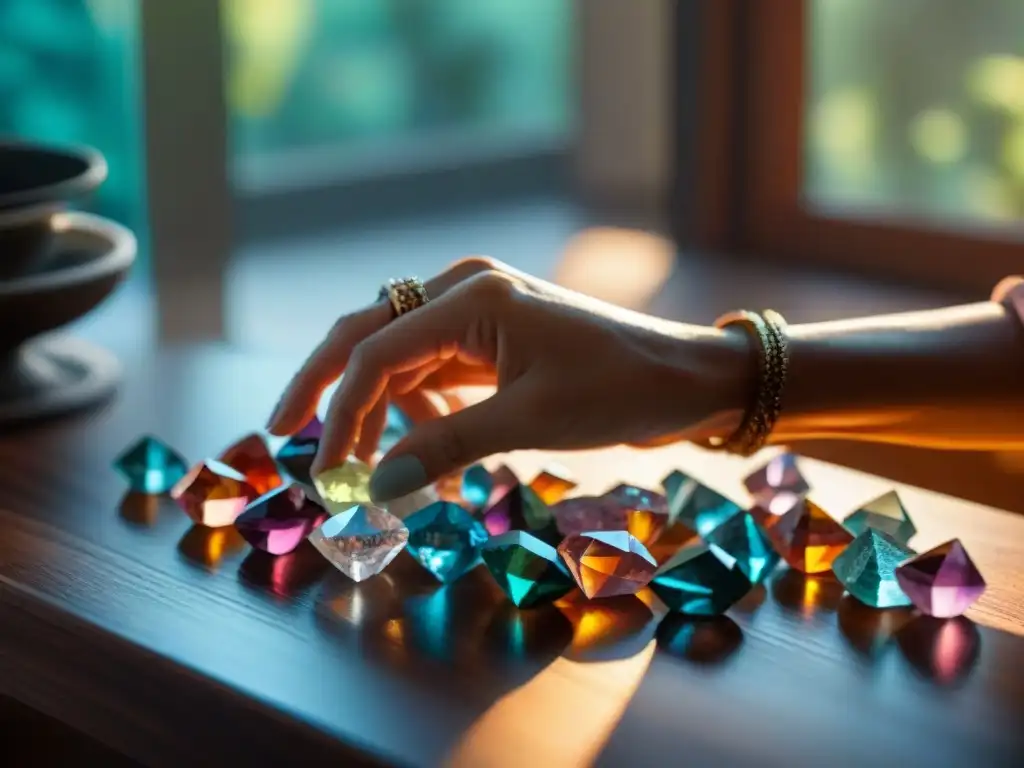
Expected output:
(298, 403)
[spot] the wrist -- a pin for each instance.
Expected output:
(725, 377)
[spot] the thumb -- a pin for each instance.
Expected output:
(440, 446)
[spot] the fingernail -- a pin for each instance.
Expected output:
(397, 477)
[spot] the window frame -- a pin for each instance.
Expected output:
(771, 218)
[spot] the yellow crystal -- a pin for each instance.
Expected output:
(343, 486)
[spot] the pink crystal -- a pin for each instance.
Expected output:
(780, 475)
(942, 582)
(278, 521)
(590, 513)
(608, 563)
(640, 499)
(314, 430)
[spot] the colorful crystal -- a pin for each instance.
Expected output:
(942, 582)
(605, 513)
(297, 455)
(397, 426)
(780, 475)
(151, 466)
(607, 563)
(213, 494)
(769, 511)
(673, 538)
(446, 540)
(640, 499)
(477, 485)
(885, 514)
(344, 485)
(745, 540)
(521, 510)
(278, 521)
(252, 458)
(503, 479)
(527, 569)
(674, 483)
(361, 541)
(808, 538)
(701, 508)
(552, 483)
(700, 580)
(867, 568)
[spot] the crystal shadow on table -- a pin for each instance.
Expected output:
(142, 510)
(206, 548)
(943, 652)
(406, 620)
(809, 595)
(286, 576)
(611, 628)
(704, 642)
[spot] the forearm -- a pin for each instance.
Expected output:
(950, 378)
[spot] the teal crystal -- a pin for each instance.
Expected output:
(701, 508)
(445, 539)
(527, 569)
(700, 580)
(477, 485)
(674, 482)
(151, 466)
(397, 426)
(886, 514)
(867, 568)
(746, 541)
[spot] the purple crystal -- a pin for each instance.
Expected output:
(780, 475)
(314, 430)
(590, 513)
(278, 521)
(942, 582)
(640, 499)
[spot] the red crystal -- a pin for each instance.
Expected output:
(252, 458)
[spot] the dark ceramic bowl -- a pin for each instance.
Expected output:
(90, 257)
(36, 183)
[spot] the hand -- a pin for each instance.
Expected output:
(571, 372)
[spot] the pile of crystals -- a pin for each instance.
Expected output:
(698, 550)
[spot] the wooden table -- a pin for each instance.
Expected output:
(180, 647)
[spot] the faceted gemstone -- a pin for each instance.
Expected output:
(445, 539)
(526, 568)
(780, 475)
(476, 485)
(396, 427)
(885, 514)
(252, 458)
(769, 511)
(344, 485)
(605, 513)
(867, 568)
(808, 538)
(552, 483)
(503, 479)
(607, 563)
(151, 466)
(521, 510)
(676, 536)
(639, 498)
(361, 541)
(297, 455)
(213, 494)
(745, 540)
(674, 483)
(700, 580)
(701, 508)
(943, 582)
(278, 521)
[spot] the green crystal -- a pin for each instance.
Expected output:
(701, 508)
(527, 569)
(746, 541)
(700, 580)
(151, 466)
(867, 568)
(674, 482)
(886, 514)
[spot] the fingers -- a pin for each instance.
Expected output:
(329, 360)
(439, 447)
(433, 331)
(371, 431)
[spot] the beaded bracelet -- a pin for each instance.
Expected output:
(768, 330)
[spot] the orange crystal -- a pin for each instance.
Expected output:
(552, 483)
(607, 563)
(213, 494)
(808, 538)
(252, 458)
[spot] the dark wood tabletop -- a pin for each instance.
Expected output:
(180, 646)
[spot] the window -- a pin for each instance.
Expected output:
(886, 136)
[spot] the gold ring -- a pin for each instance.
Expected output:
(404, 295)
